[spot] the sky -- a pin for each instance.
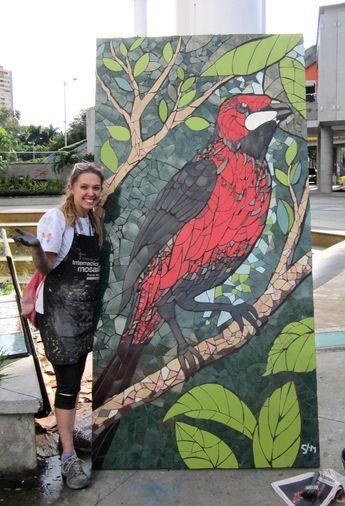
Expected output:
(50, 47)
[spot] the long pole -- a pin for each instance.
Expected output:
(64, 110)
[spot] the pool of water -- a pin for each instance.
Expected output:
(329, 339)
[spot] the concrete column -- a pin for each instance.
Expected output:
(140, 17)
(326, 160)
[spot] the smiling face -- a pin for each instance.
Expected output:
(86, 191)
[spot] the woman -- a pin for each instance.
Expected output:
(66, 251)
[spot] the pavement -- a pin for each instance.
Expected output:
(241, 487)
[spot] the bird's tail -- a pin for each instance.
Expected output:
(117, 375)
(115, 378)
(101, 445)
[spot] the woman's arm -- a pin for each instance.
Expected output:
(44, 261)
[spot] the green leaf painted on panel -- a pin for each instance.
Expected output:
(285, 216)
(187, 98)
(123, 49)
(295, 173)
(163, 110)
(141, 64)
(108, 157)
(291, 153)
(180, 73)
(277, 436)
(215, 402)
(137, 43)
(123, 84)
(112, 64)
(293, 349)
(187, 84)
(292, 74)
(281, 176)
(119, 133)
(200, 449)
(168, 52)
(253, 56)
(197, 123)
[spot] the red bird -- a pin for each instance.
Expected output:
(202, 226)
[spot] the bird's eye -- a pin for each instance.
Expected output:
(243, 107)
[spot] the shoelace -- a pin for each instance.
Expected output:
(75, 463)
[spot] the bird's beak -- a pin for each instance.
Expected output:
(282, 110)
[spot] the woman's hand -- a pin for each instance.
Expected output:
(25, 238)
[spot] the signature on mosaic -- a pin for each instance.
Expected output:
(204, 351)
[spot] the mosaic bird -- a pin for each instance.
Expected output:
(202, 226)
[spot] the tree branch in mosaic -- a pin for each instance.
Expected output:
(284, 280)
(141, 148)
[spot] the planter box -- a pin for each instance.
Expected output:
(43, 171)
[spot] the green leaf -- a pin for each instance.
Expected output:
(163, 110)
(137, 43)
(277, 436)
(200, 449)
(187, 84)
(295, 173)
(282, 177)
(123, 84)
(168, 52)
(123, 49)
(119, 133)
(197, 123)
(291, 153)
(293, 349)
(253, 56)
(141, 64)
(180, 73)
(285, 216)
(108, 157)
(112, 64)
(187, 98)
(215, 402)
(292, 75)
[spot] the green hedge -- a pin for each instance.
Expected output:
(11, 186)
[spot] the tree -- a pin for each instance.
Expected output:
(77, 129)
(9, 120)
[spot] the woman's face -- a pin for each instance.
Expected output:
(86, 192)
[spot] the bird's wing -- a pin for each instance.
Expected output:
(183, 197)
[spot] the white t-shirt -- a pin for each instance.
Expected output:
(55, 237)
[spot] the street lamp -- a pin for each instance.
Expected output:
(65, 107)
(33, 149)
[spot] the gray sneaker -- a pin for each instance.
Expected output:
(73, 472)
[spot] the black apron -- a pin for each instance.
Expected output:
(69, 299)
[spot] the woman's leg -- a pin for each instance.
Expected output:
(68, 379)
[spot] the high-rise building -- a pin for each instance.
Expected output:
(6, 94)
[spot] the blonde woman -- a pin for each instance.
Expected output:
(66, 251)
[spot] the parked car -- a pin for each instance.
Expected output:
(312, 175)
(341, 180)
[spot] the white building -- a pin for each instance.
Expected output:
(6, 93)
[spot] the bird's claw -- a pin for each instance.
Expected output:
(246, 312)
(190, 360)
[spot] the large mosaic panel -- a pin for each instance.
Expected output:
(204, 350)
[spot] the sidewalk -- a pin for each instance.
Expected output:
(244, 487)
